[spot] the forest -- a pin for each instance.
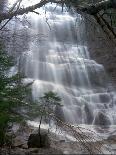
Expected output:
(57, 77)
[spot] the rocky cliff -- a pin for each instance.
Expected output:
(101, 47)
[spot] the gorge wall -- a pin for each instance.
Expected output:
(101, 48)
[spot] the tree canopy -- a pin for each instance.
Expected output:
(97, 9)
(12, 94)
(88, 8)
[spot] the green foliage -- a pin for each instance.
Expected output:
(50, 98)
(12, 93)
(49, 101)
(45, 104)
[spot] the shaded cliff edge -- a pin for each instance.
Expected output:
(101, 48)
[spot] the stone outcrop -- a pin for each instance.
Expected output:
(101, 48)
(102, 120)
(59, 113)
(89, 114)
(39, 140)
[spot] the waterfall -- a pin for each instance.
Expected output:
(58, 60)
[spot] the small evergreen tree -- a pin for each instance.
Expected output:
(47, 104)
(43, 108)
(12, 94)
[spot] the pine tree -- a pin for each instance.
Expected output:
(12, 94)
(47, 103)
(43, 108)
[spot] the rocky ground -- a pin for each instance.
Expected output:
(59, 144)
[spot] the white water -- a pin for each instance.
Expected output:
(58, 60)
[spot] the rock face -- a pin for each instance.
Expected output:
(39, 141)
(89, 114)
(59, 113)
(112, 138)
(102, 49)
(102, 120)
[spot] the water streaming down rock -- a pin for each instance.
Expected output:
(58, 60)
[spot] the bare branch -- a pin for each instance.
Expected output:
(22, 11)
(91, 9)
(96, 8)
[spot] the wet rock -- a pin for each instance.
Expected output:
(39, 141)
(89, 114)
(21, 136)
(30, 151)
(79, 115)
(33, 150)
(36, 151)
(18, 141)
(112, 138)
(59, 113)
(105, 98)
(16, 151)
(24, 146)
(102, 120)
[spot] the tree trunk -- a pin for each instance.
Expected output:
(39, 130)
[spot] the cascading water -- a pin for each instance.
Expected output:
(59, 61)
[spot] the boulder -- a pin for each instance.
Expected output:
(39, 141)
(102, 120)
(112, 138)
